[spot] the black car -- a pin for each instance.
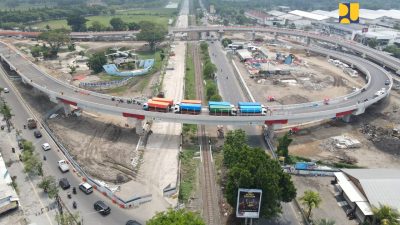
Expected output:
(64, 184)
(37, 134)
(132, 222)
(102, 208)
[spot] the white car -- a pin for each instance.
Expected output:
(46, 146)
(63, 165)
(6, 90)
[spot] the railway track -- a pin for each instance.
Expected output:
(209, 194)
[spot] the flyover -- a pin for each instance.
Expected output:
(60, 92)
(377, 56)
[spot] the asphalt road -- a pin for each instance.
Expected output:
(230, 91)
(104, 104)
(84, 202)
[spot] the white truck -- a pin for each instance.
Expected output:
(63, 165)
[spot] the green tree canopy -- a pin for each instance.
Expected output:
(209, 70)
(385, 215)
(67, 218)
(117, 24)
(372, 42)
(151, 32)
(49, 186)
(283, 146)
(252, 168)
(176, 217)
(77, 22)
(97, 26)
(96, 62)
(55, 39)
(310, 199)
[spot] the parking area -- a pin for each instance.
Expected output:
(332, 206)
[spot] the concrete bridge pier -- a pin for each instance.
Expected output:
(66, 108)
(140, 130)
(347, 118)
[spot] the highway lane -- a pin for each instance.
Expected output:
(84, 202)
(105, 104)
(232, 92)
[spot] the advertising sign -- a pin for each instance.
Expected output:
(248, 203)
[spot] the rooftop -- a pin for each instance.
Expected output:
(308, 15)
(381, 186)
(275, 13)
(6, 191)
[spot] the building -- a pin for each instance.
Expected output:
(309, 15)
(283, 8)
(364, 189)
(257, 15)
(212, 9)
(244, 54)
(8, 196)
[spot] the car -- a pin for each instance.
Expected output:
(46, 146)
(102, 208)
(132, 222)
(6, 90)
(363, 89)
(86, 188)
(37, 134)
(387, 82)
(64, 184)
(63, 165)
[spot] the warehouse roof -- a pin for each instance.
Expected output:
(381, 186)
(290, 17)
(326, 13)
(308, 15)
(275, 13)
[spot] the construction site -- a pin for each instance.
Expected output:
(279, 74)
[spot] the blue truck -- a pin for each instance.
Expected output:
(187, 108)
(251, 109)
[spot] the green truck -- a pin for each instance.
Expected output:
(222, 110)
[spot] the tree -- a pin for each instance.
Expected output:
(49, 186)
(152, 33)
(225, 42)
(5, 110)
(32, 164)
(209, 70)
(97, 26)
(133, 26)
(204, 47)
(96, 62)
(311, 200)
(216, 97)
(67, 218)
(292, 26)
(249, 167)
(283, 146)
(211, 89)
(55, 39)
(226, 22)
(117, 24)
(372, 42)
(36, 50)
(176, 217)
(162, 55)
(112, 11)
(77, 22)
(385, 215)
(326, 222)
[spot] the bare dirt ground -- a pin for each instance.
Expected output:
(95, 141)
(374, 129)
(314, 82)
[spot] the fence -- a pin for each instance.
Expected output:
(104, 85)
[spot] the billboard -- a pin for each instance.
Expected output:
(248, 203)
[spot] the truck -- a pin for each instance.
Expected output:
(169, 101)
(63, 165)
(157, 106)
(191, 101)
(221, 108)
(187, 108)
(251, 109)
(32, 124)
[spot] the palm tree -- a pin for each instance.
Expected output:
(385, 215)
(326, 222)
(311, 200)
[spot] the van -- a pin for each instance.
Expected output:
(102, 208)
(86, 188)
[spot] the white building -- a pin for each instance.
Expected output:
(8, 196)
(366, 188)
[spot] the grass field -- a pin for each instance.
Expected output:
(160, 16)
(190, 83)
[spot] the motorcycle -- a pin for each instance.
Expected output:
(74, 205)
(74, 190)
